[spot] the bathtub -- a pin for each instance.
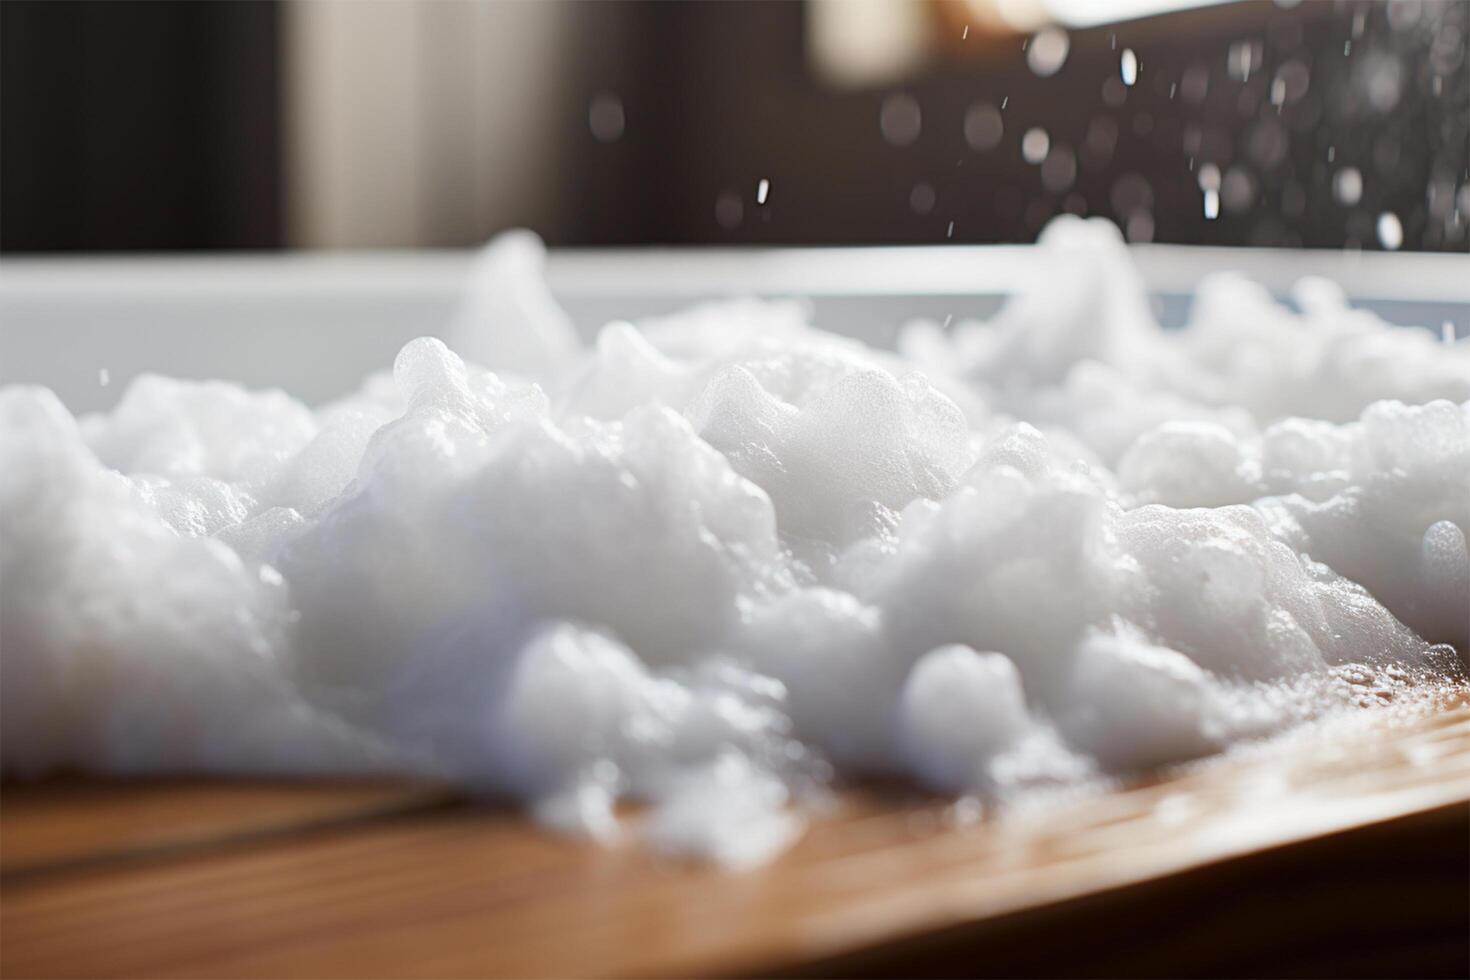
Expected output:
(315, 323)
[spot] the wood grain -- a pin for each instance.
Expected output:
(68, 822)
(467, 891)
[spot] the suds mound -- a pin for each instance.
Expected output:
(722, 557)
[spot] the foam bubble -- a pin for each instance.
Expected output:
(715, 560)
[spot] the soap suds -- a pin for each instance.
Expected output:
(717, 561)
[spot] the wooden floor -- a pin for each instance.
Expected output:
(1331, 857)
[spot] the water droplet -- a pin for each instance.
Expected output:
(900, 120)
(983, 126)
(949, 233)
(1048, 51)
(1237, 189)
(1406, 16)
(1131, 192)
(965, 33)
(729, 210)
(1194, 84)
(1128, 66)
(1347, 186)
(1439, 195)
(1291, 83)
(1212, 204)
(1035, 144)
(1390, 231)
(605, 118)
(1059, 169)
(1448, 49)
(1384, 79)
(922, 199)
(1140, 227)
(762, 191)
(1243, 57)
(1447, 332)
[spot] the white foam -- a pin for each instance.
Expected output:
(719, 559)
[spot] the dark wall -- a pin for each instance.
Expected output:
(134, 125)
(721, 95)
(131, 125)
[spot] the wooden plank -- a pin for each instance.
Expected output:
(463, 892)
(1389, 900)
(63, 823)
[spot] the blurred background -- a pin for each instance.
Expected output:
(361, 123)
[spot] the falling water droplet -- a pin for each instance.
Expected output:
(762, 191)
(605, 118)
(1241, 60)
(900, 120)
(1059, 169)
(1290, 83)
(1212, 204)
(729, 210)
(1128, 66)
(1048, 51)
(1390, 231)
(922, 199)
(983, 126)
(1347, 186)
(1237, 189)
(1140, 227)
(1035, 144)
(1194, 84)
